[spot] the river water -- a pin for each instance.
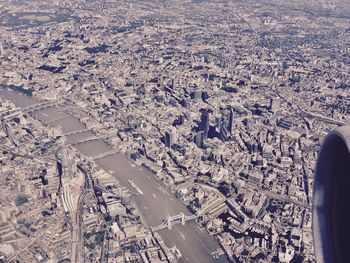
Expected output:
(154, 203)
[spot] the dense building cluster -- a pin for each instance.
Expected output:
(225, 103)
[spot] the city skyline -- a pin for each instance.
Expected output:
(166, 131)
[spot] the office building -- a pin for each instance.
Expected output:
(275, 104)
(161, 82)
(204, 124)
(231, 122)
(170, 137)
(199, 139)
(173, 83)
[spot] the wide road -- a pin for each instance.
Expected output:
(154, 203)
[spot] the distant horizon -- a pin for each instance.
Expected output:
(167, 131)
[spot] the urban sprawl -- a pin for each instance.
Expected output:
(166, 131)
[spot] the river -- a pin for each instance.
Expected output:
(154, 204)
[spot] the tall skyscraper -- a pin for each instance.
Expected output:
(1, 51)
(275, 104)
(173, 83)
(223, 132)
(170, 137)
(204, 124)
(199, 139)
(205, 96)
(231, 124)
(196, 95)
(219, 122)
(160, 82)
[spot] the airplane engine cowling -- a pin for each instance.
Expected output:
(331, 199)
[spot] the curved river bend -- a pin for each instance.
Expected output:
(154, 205)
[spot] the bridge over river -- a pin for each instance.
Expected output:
(172, 220)
(156, 205)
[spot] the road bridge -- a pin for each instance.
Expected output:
(8, 113)
(322, 118)
(172, 220)
(76, 132)
(102, 155)
(57, 119)
(40, 106)
(88, 139)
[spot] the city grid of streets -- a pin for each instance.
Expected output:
(166, 131)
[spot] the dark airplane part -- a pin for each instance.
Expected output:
(331, 199)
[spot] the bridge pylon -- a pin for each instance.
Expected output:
(168, 221)
(183, 221)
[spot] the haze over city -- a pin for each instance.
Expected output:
(166, 131)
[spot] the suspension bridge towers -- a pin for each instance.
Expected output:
(170, 220)
(173, 220)
(183, 219)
